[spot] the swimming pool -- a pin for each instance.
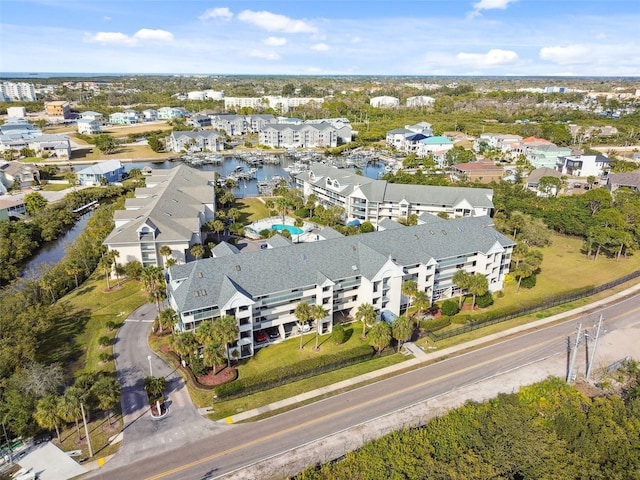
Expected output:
(292, 230)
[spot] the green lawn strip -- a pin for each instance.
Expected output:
(100, 432)
(55, 187)
(92, 306)
(251, 209)
(223, 409)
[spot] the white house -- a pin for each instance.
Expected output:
(91, 115)
(128, 117)
(88, 127)
(16, 112)
(384, 102)
(107, 171)
(420, 101)
(150, 115)
(584, 165)
(168, 113)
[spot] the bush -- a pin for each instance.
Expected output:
(435, 324)
(485, 300)
(500, 294)
(339, 335)
(265, 233)
(461, 319)
(302, 212)
(449, 308)
(528, 282)
(104, 341)
(111, 325)
(104, 357)
(197, 366)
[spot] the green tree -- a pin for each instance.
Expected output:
(184, 344)
(318, 313)
(410, 289)
(227, 326)
(462, 280)
(165, 251)
(107, 392)
(167, 319)
(421, 301)
(34, 203)
(380, 336)
(213, 354)
(478, 285)
(449, 308)
(303, 315)
(402, 329)
(133, 269)
(218, 227)
(46, 414)
(106, 264)
(197, 250)
(106, 143)
(366, 314)
(154, 386)
(69, 407)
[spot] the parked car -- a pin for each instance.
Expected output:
(274, 334)
(260, 337)
(305, 327)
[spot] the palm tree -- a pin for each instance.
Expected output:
(282, 204)
(302, 314)
(69, 406)
(421, 301)
(317, 314)
(106, 261)
(461, 279)
(478, 286)
(46, 414)
(184, 344)
(167, 319)
(213, 355)
(206, 333)
(380, 336)
(114, 256)
(218, 227)
(402, 329)
(107, 391)
(409, 289)
(197, 250)
(154, 386)
(367, 315)
(154, 285)
(165, 251)
(171, 262)
(233, 214)
(227, 326)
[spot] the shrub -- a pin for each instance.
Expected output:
(197, 366)
(104, 357)
(111, 325)
(449, 308)
(338, 335)
(500, 294)
(302, 212)
(485, 300)
(461, 319)
(104, 341)
(435, 324)
(528, 282)
(265, 233)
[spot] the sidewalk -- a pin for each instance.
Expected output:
(420, 357)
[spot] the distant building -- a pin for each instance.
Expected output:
(496, 141)
(108, 171)
(629, 180)
(16, 112)
(55, 146)
(58, 109)
(384, 102)
(314, 135)
(17, 92)
(278, 103)
(194, 141)
(533, 180)
(584, 165)
(19, 126)
(128, 117)
(420, 101)
(150, 115)
(22, 174)
(11, 207)
(169, 113)
(91, 115)
(483, 172)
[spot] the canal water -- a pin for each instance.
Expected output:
(53, 252)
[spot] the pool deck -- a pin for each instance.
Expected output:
(267, 223)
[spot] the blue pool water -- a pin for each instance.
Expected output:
(292, 230)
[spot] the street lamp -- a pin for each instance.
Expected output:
(150, 369)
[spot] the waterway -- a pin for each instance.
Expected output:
(53, 252)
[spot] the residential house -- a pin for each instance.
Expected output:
(630, 180)
(19, 126)
(58, 109)
(170, 210)
(533, 180)
(339, 274)
(11, 207)
(194, 141)
(437, 146)
(584, 165)
(91, 115)
(366, 199)
(16, 112)
(483, 172)
(541, 156)
(88, 127)
(128, 117)
(523, 147)
(101, 173)
(496, 141)
(169, 113)
(55, 146)
(150, 115)
(18, 173)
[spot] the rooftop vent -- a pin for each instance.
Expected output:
(354, 267)
(200, 275)
(238, 268)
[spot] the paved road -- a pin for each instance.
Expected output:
(144, 436)
(240, 445)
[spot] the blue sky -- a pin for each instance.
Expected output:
(322, 37)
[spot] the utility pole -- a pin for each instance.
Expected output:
(595, 346)
(573, 355)
(86, 430)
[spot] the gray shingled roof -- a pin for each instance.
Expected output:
(283, 269)
(173, 206)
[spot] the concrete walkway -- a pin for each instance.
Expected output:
(420, 357)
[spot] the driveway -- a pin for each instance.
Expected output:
(143, 435)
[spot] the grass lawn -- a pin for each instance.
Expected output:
(138, 129)
(251, 209)
(123, 152)
(91, 308)
(55, 187)
(100, 431)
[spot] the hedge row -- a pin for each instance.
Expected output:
(292, 373)
(435, 324)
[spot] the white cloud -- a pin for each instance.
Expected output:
(268, 55)
(478, 7)
(153, 35)
(493, 58)
(119, 38)
(272, 22)
(220, 12)
(320, 47)
(568, 55)
(275, 41)
(106, 19)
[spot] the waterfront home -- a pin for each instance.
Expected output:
(101, 173)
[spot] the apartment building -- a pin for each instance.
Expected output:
(58, 109)
(339, 273)
(17, 92)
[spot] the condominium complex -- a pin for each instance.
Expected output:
(170, 211)
(17, 92)
(371, 200)
(261, 289)
(280, 104)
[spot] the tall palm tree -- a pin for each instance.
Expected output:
(165, 251)
(114, 257)
(167, 319)
(227, 325)
(462, 280)
(478, 286)
(69, 406)
(197, 250)
(410, 289)
(302, 314)
(367, 315)
(184, 344)
(282, 204)
(213, 355)
(106, 261)
(218, 227)
(46, 414)
(107, 391)
(154, 386)
(380, 335)
(317, 314)
(402, 329)
(421, 301)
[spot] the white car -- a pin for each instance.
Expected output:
(305, 327)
